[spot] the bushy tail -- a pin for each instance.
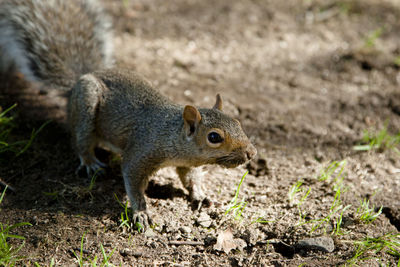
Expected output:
(54, 41)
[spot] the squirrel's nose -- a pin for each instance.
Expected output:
(251, 151)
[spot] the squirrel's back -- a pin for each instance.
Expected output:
(54, 41)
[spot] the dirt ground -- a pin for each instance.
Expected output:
(305, 78)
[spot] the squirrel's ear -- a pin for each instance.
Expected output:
(191, 117)
(218, 103)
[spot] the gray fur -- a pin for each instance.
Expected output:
(119, 108)
(54, 41)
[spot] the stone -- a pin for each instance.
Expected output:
(185, 229)
(322, 243)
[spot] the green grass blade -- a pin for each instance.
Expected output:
(33, 136)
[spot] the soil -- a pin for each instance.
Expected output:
(305, 78)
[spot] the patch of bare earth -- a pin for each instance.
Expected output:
(305, 78)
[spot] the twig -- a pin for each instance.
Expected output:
(125, 253)
(84, 251)
(189, 243)
(9, 187)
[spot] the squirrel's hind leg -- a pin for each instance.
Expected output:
(82, 112)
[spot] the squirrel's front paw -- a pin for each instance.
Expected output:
(141, 220)
(199, 200)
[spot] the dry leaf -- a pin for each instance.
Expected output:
(225, 242)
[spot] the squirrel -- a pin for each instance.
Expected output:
(68, 45)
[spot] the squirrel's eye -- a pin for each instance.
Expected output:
(215, 138)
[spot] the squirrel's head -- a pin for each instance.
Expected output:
(218, 138)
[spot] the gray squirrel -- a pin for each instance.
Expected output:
(67, 45)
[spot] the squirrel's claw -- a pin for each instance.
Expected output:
(198, 199)
(141, 220)
(199, 202)
(95, 168)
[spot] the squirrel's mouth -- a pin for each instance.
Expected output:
(230, 161)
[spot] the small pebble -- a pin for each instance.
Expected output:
(149, 233)
(185, 229)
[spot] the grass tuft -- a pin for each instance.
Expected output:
(333, 168)
(8, 254)
(379, 141)
(370, 246)
(86, 261)
(298, 195)
(372, 37)
(234, 205)
(366, 214)
(6, 126)
(334, 174)
(397, 61)
(125, 215)
(79, 256)
(295, 191)
(335, 214)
